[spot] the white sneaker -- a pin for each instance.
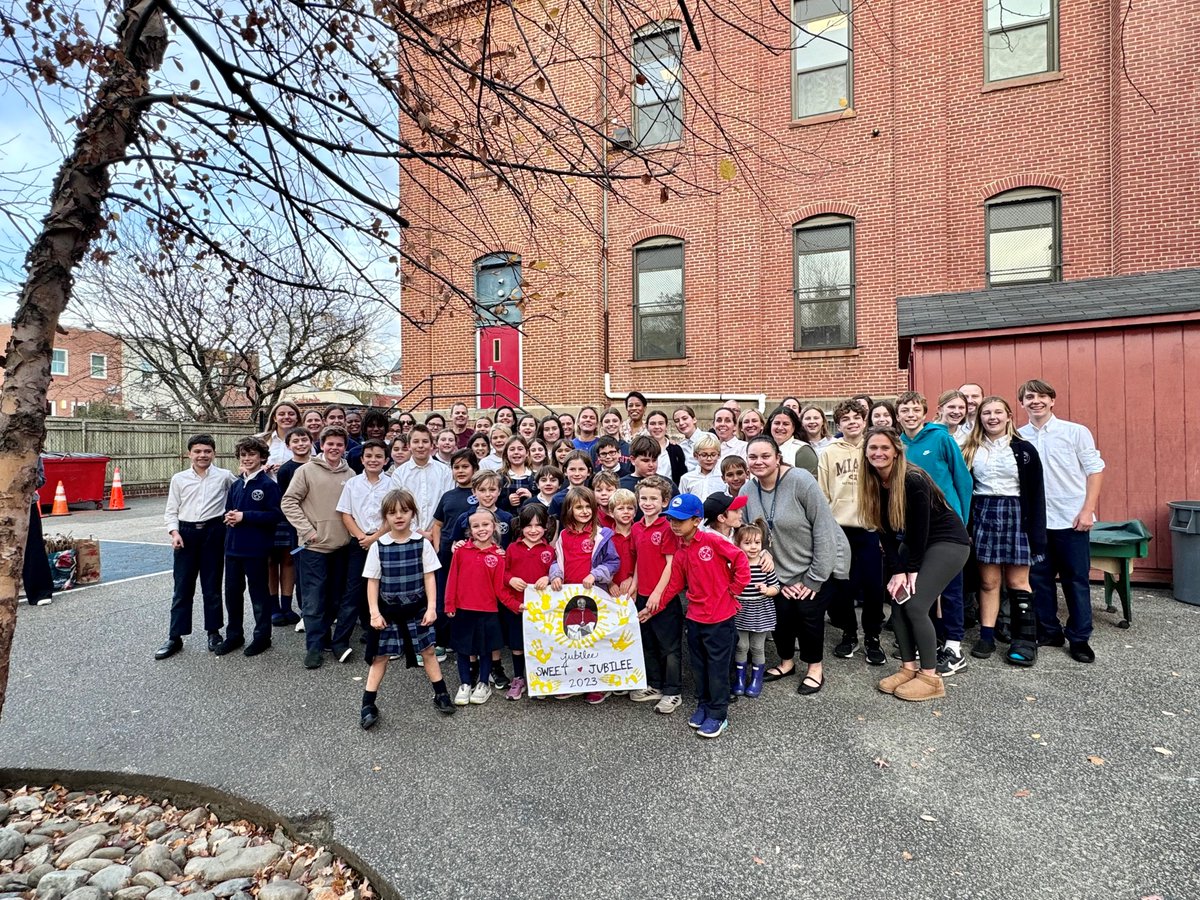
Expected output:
(644, 695)
(300, 626)
(463, 695)
(668, 704)
(482, 692)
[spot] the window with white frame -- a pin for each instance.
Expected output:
(822, 70)
(99, 364)
(1020, 38)
(657, 91)
(58, 362)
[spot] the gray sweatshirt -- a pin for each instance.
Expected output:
(807, 543)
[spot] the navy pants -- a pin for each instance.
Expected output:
(866, 581)
(1068, 557)
(323, 577)
(662, 646)
(242, 572)
(711, 647)
(201, 556)
(353, 606)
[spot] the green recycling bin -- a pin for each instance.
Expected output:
(1185, 549)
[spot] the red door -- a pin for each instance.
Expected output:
(499, 352)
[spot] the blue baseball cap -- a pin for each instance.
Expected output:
(685, 506)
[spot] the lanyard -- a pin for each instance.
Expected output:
(774, 500)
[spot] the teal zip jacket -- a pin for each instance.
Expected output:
(935, 451)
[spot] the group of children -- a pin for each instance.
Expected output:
(429, 545)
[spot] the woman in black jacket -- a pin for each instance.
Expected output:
(672, 461)
(1008, 520)
(925, 546)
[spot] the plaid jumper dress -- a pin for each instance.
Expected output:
(402, 579)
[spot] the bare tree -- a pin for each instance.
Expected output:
(198, 342)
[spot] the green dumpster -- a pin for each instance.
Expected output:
(1114, 546)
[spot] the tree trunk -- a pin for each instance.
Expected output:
(75, 220)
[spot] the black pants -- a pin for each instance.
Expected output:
(35, 567)
(711, 648)
(242, 572)
(662, 646)
(323, 576)
(201, 556)
(865, 581)
(802, 622)
(353, 607)
(914, 629)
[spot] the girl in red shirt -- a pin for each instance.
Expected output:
(528, 565)
(473, 593)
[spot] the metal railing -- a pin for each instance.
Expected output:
(479, 383)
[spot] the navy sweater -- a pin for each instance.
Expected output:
(258, 501)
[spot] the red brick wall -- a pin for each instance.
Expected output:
(78, 387)
(927, 142)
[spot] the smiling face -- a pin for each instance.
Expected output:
(635, 408)
(482, 525)
(782, 429)
(852, 425)
(566, 424)
(534, 531)
(300, 444)
(577, 472)
(974, 395)
(651, 502)
(446, 443)
(314, 423)
(250, 460)
(609, 457)
(735, 477)
(421, 446)
(610, 424)
(462, 472)
(752, 424)
(374, 459)
(657, 426)
(537, 453)
(551, 430)
(505, 416)
(881, 418)
(813, 422)
(724, 424)
(588, 423)
(333, 448)
(458, 415)
(751, 544)
(527, 427)
(911, 415)
(515, 454)
(953, 412)
(285, 418)
(487, 494)
(881, 454)
(995, 418)
(763, 461)
(685, 422)
(335, 416)
(480, 447)
(354, 424)
(1038, 406)
(707, 459)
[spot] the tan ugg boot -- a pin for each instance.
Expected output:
(923, 687)
(888, 685)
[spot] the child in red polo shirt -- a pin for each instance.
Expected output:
(529, 559)
(622, 507)
(473, 592)
(715, 572)
(660, 613)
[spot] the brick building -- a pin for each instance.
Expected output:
(87, 367)
(894, 152)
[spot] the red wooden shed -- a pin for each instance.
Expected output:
(1117, 351)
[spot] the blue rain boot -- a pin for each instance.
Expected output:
(738, 687)
(754, 688)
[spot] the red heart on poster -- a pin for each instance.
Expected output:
(581, 668)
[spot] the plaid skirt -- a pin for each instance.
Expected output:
(285, 536)
(391, 644)
(999, 539)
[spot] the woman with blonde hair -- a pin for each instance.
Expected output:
(925, 546)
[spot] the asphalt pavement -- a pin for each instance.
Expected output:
(1061, 781)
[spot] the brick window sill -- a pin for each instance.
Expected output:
(843, 353)
(657, 363)
(822, 118)
(1023, 81)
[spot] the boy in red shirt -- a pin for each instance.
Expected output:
(622, 507)
(715, 572)
(659, 611)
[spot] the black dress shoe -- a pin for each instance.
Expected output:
(257, 646)
(1082, 652)
(229, 645)
(1056, 641)
(805, 688)
(313, 659)
(370, 715)
(214, 641)
(169, 649)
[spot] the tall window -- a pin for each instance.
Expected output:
(658, 299)
(1024, 240)
(821, 57)
(657, 92)
(58, 363)
(824, 296)
(1021, 38)
(498, 289)
(99, 364)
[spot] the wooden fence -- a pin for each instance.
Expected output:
(149, 453)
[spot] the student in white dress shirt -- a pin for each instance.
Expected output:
(424, 477)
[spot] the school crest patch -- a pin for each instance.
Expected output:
(705, 554)
(257, 494)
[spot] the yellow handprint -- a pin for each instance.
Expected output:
(538, 686)
(540, 651)
(622, 641)
(614, 680)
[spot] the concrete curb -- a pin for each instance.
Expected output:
(316, 828)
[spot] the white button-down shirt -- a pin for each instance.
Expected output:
(279, 452)
(732, 447)
(689, 450)
(1069, 456)
(995, 469)
(195, 498)
(426, 483)
(362, 500)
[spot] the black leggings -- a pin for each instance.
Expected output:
(802, 622)
(914, 629)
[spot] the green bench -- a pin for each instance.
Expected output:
(1115, 545)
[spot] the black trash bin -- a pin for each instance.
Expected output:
(1185, 549)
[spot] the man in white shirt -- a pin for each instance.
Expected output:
(195, 520)
(974, 396)
(424, 477)
(1073, 472)
(725, 428)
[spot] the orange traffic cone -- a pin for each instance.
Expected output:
(116, 497)
(60, 502)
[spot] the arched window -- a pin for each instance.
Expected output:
(657, 91)
(498, 289)
(824, 279)
(658, 331)
(1024, 237)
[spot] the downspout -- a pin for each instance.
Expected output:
(604, 124)
(760, 400)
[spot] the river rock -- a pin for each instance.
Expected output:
(108, 853)
(26, 803)
(133, 892)
(151, 857)
(14, 881)
(92, 864)
(323, 860)
(35, 857)
(57, 885)
(156, 830)
(166, 892)
(202, 895)
(127, 812)
(195, 818)
(4, 812)
(231, 843)
(242, 863)
(233, 886)
(37, 873)
(299, 867)
(198, 847)
(55, 828)
(218, 834)
(37, 840)
(147, 815)
(81, 849)
(99, 828)
(12, 843)
(283, 890)
(148, 880)
(112, 878)
(282, 839)
(87, 892)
